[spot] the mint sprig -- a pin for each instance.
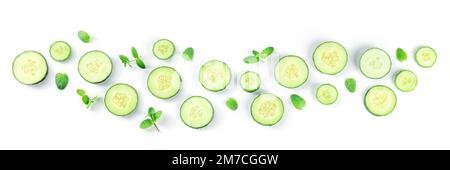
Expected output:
(85, 98)
(151, 118)
(258, 56)
(137, 59)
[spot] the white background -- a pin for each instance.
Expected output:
(42, 117)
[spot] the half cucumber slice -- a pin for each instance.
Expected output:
(164, 82)
(163, 49)
(250, 81)
(30, 68)
(60, 51)
(95, 66)
(375, 63)
(267, 109)
(291, 71)
(327, 94)
(380, 100)
(405, 80)
(196, 112)
(121, 99)
(425, 57)
(215, 75)
(330, 58)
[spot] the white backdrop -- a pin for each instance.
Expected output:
(42, 117)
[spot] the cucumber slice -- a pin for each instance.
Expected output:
(30, 68)
(327, 94)
(196, 112)
(121, 99)
(380, 100)
(95, 66)
(405, 80)
(425, 57)
(250, 81)
(330, 58)
(163, 49)
(164, 82)
(291, 71)
(215, 75)
(267, 109)
(60, 51)
(375, 63)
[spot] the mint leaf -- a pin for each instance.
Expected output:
(401, 55)
(61, 80)
(188, 53)
(150, 111)
(232, 104)
(297, 101)
(266, 52)
(155, 116)
(124, 60)
(134, 52)
(84, 36)
(81, 92)
(255, 52)
(85, 99)
(146, 124)
(251, 59)
(350, 84)
(140, 63)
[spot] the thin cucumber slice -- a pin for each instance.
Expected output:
(164, 82)
(250, 81)
(291, 71)
(267, 109)
(196, 112)
(380, 100)
(426, 57)
(330, 58)
(375, 63)
(215, 75)
(163, 49)
(95, 66)
(60, 51)
(121, 99)
(327, 94)
(405, 80)
(30, 68)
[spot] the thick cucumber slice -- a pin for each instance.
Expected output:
(380, 100)
(267, 109)
(60, 51)
(405, 80)
(163, 49)
(291, 71)
(426, 57)
(164, 82)
(30, 67)
(250, 81)
(121, 99)
(95, 66)
(375, 63)
(327, 94)
(215, 75)
(196, 112)
(330, 58)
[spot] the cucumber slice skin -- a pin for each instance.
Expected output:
(399, 86)
(32, 83)
(338, 45)
(277, 100)
(297, 85)
(328, 85)
(418, 61)
(378, 77)
(106, 98)
(161, 57)
(202, 71)
(63, 58)
(106, 77)
(368, 107)
(164, 67)
(251, 73)
(197, 127)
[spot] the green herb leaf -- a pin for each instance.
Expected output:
(232, 104)
(401, 55)
(140, 63)
(188, 53)
(155, 116)
(266, 52)
(298, 101)
(251, 59)
(61, 80)
(150, 111)
(146, 124)
(134, 52)
(124, 60)
(84, 36)
(85, 99)
(81, 92)
(350, 84)
(255, 52)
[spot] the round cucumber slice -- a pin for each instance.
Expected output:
(163, 49)
(215, 75)
(405, 80)
(60, 51)
(196, 112)
(164, 82)
(95, 66)
(121, 99)
(267, 109)
(250, 81)
(291, 71)
(375, 63)
(327, 94)
(425, 57)
(330, 58)
(30, 68)
(380, 100)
